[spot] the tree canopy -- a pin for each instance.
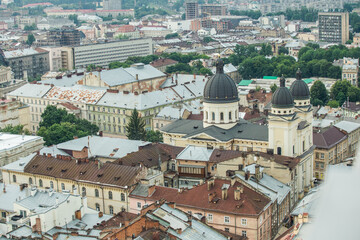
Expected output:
(318, 94)
(18, 129)
(59, 126)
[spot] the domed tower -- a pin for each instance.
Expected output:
(221, 100)
(283, 122)
(301, 94)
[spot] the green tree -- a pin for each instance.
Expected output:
(18, 129)
(30, 39)
(265, 50)
(172, 35)
(273, 88)
(153, 136)
(339, 91)
(135, 129)
(333, 104)
(319, 93)
(306, 30)
(283, 50)
(59, 126)
(208, 39)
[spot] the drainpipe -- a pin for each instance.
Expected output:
(103, 197)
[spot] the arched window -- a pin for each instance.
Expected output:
(230, 115)
(14, 178)
(110, 195)
(123, 197)
(279, 150)
(97, 207)
(62, 186)
(83, 191)
(30, 181)
(221, 116)
(40, 183)
(111, 209)
(51, 184)
(206, 115)
(96, 193)
(213, 116)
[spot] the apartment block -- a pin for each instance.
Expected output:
(104, 53)
(334, 27)
(191, 9)
(29, 62)
(212, 10)
(112, 4)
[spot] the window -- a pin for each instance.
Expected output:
(111, 209)
(227, 229)
(322, 155)
(206, 115)
(243, 233)
(110, 195)
(173, 166)
(303, 146)
(260, 219)
(210, 217)
(51, 184)
(40, 183)
(293, 149)
(213, 116)
(123, 197)
(139, 205)
(30, 181)
(97, 207)
(14, 178)
(221, 116)
(83, 191)
(62, 187)
(3, 214)
(243, 221)
(279, 150)
(230, 115)
(226, 219)
(96, 193)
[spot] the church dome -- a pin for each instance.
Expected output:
(299, 89)
(282, 97)
(220, 88)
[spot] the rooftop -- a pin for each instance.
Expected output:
(22, 52)
(347, 126)
(13, 141)
(9, 195)
(328, 138)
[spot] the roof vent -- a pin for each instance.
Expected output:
(100, 175)
(82, 173)
(63, 170)
(196, 127)
(49, 168)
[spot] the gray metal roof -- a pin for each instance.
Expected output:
(195, 153)
(347, 126)
(103, 146)
(31, 90)
(65, 81)
(242, 130)
(12, 194)
(20, 164)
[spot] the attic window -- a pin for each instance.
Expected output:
(196, 127)
(149, 159)
(100, 175)
(49, 168)
(35, 166)
(82, 173)
(116, 149)
(116, 178)
(63, 170)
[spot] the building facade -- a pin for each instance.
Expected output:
(28, 63)
(334, 27)
(191, 9)
(103, 54)
(212, 10)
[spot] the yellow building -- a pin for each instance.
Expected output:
(289, 130)
(331, 148)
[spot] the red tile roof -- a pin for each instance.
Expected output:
(115, 221)
(163, 62)
(108, 173)
(250, 203)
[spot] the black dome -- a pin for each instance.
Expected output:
(282, 97)
(299, 89)
(220, 88)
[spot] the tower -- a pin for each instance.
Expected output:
(221, 100)
(283, 122)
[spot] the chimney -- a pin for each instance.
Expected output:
(237, 193)
(178, 231)
(233, 181)
(211, 196)
(257, 172)
(38, 225)
(101, 214)
(247, 175)
(211, 183)
(156, 236)
(151, 190)
(78, 214)
(224, 192)
(99, 164)
(137, 77)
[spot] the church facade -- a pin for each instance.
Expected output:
(288, 133)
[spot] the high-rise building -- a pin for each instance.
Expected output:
(112, 4)
(63, 37)
(102, 54)
(191, 9)
(212, 10)
(334, 27)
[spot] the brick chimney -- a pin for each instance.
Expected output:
(151, 190)
(237, 192)
(224, 193)
(78, 214)
(101, 214)
(211, 183)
